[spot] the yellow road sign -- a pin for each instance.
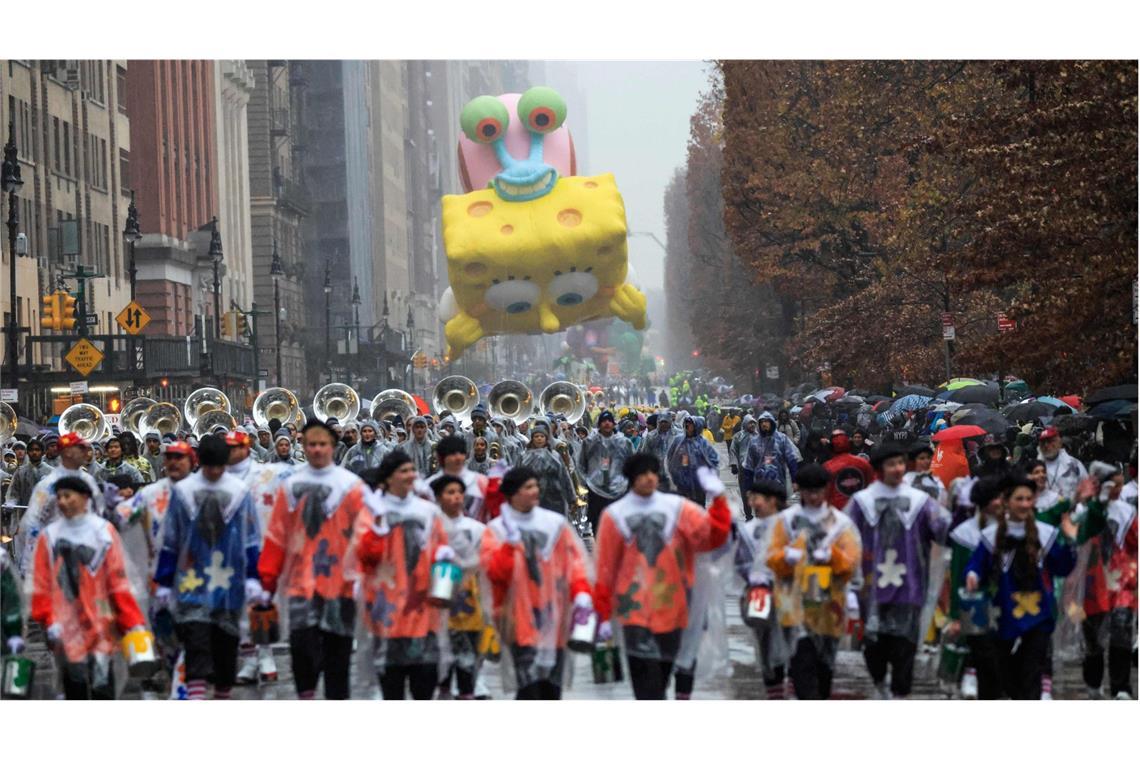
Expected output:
(84, 357)
(133, 318)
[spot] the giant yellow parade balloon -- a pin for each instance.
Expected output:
(536, 249)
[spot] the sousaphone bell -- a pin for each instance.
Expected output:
(391, 403)
(563, 398)
(279, 404)
(85, 420)
(336, 400)
(201, 401)
(455, 394)
(510, 399)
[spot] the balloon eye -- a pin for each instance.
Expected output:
(541, 119)
(569, 299)
(484, 119)
(573, 288)
(512, 296)
(518, 307)
(542, 110)
(489, 130)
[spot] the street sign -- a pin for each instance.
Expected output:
(948, 332)
(79, 388)
(133, 318)
(84, 357)
(91, 320)
(113, 420)
(263, 373)
(9, 395)
(947, 319)
(772, 372)
(1004, 323)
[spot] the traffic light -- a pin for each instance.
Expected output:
(229, 322)
(51, 315)
(66, 310)
(242, 327)
(114, 403)
(420, 360)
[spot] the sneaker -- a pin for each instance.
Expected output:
(1047, 696)
(266, 665)
(882, 691)
(969, 686)
(1095, 693)
(1122, 695)
(247, 673)
(481, 690)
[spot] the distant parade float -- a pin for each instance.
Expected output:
(536, 249)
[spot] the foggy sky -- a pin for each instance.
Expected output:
(637, 123)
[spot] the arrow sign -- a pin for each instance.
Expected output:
(133, 318)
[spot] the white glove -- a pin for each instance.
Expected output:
(792, 555)
(852, 604)
(605, 632)
(709, 481)
(15, 644)
(582, 599)
(162, 597)
(264, 598)
(1078, 513)
(54, 633)
(252, 589)
(758, 578)
(445, 554)
(822, 555)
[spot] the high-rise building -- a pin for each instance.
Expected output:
(233, 84)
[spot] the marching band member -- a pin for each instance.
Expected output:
(32, 471)
(1012, 560)
(646, 553)
(132, 457)
(115, 464)
(601, 461)
(398, 537)
(814, 552)
(658, 441)
(419, 447)
(479, 462)
(897, 525)
(538, 571)
(304, 557)
(368, 453)
(81, 593)
(451, 452)
(556, 487)
(153, 452)
(479, 429)
(283, 449)
(207, 567)
(688, 453)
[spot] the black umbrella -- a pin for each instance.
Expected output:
(973, 394)
(1111, 394)
(1074, 424)
(875, 398)
(914, 390)
(858, 392)
(1116, 409)
(1029, 412)
(989, 420)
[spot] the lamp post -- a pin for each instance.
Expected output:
(216, 259)
(411, 341)
(276, 271)
(384, 341)
(11, 183)
(355, 320)
(132, 235)
(328, 316)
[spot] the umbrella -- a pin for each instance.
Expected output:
(882, 405)
(421, 405)
(1051, 401)
(26, 427)
(947, 406)
(957, 432)
(1116, 409)
(910, 403)
(965, 409)
(971, 394)
(910, 390)
(1017, 388)
(1111, 394)
(959, 382)
(858, 392)
(875, 398)
(988, 419)
(1075, 424)
(850, 400)
(1072, 400)
(828, 394)
(1028, 411)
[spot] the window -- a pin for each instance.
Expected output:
(67, 149)
(121, 88)
(124, 170)
(55, 156)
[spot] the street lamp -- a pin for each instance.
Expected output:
(276, 271)
(132, 235)
(328, 315)
(216, 259)
(11, 183)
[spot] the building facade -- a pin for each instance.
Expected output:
(233, 84)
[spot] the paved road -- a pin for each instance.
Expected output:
(740, 680)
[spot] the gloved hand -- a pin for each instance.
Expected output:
(734, 469)
(822, 555)
(758, 578)
(15, 644)
(54, 633)
(445, 554)
(792, 555)
(264, 598)
(852, 604)
(162, 597)
(584, 600)
(252, 589)
(1078, 513)
(709, 481)
(605, 632)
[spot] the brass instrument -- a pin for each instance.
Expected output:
(161, 418)
(133, 414)
(336, 400)
(563, 398)
(9, 421)
(276, 404)
(456, 394)
(391, 403)
(494, 451)
(212, 419)
(510, 399)
(201, 401)
(85, 420)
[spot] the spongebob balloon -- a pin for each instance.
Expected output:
(537, 249)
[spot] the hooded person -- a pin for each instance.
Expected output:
(419, 447)
(687, 454)
(479, 428)
(897, 526)
(600, 463)
(116, 463)
(920, 456)
(540, 578)
(51, 448)
(451, 452)
(1063, 471)
(80, 593)
(556, 487)
(657, 442)
(152, 451)
(206, 572)
(27, 475)
(848, 473)
(771, 455)
(652, 535)
(369, 451)
(396, 540)
(283, 449)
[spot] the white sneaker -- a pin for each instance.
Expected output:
(1047, 696)
(1095, 693)
(247, 674)
(266, 665)
(481, 690)
(969, 686)
(1122, 695)
(882, 691)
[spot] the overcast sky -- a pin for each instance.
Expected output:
(637, 124)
